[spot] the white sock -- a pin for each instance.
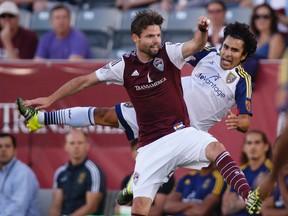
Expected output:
(75, 116)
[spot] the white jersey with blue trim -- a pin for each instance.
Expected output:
(209, 92)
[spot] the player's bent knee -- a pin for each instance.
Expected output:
(213, 150)
(141, 205)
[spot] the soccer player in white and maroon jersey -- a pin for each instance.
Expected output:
(151, 76)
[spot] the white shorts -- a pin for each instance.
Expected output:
(127, 120)
(154, 162)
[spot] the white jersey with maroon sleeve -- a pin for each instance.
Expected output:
(154, 88)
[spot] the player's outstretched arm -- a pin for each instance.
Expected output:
(199, 40)
(71, 87)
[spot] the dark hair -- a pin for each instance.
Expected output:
(241, 31)
(58, 7)
(143, 19)
(221, 3)
(11, 137)
(243, 157)
(274, 19)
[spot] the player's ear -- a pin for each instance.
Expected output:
(134, 37)
(243, 57)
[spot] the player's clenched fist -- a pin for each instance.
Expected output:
(203, 23)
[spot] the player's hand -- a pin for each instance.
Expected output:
(231, 121)
(203, 23)
(38, 103)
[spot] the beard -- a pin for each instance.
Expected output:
(150, 52)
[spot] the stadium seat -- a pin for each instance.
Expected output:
(122, 36)
(25, 18)
(239, 14)
(40, 22)
(181, 25)
(110, 202)
(101, 3)
(45, 201)
(99, 24)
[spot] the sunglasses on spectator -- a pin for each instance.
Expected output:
(4, 16)
(264, 16)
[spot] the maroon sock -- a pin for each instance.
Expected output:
(232, 174)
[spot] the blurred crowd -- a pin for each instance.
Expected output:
(267, 21)
(80, 184)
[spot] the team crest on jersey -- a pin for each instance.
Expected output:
(81, 177)
(248, 105)
(159, 64)
(128, 105)
(135, 177)
(230, 77)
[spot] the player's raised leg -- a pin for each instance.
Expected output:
(75, 116)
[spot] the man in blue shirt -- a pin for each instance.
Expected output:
(63, 42)
(18, 184)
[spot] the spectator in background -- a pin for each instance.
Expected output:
(197, 193)
(157, 208)
(255, 161)
(16, 42)
(216, 11)
(79, 185)
(271, 44)
(279, 6)
(63, 42)
(277, 203)
(18, 184)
